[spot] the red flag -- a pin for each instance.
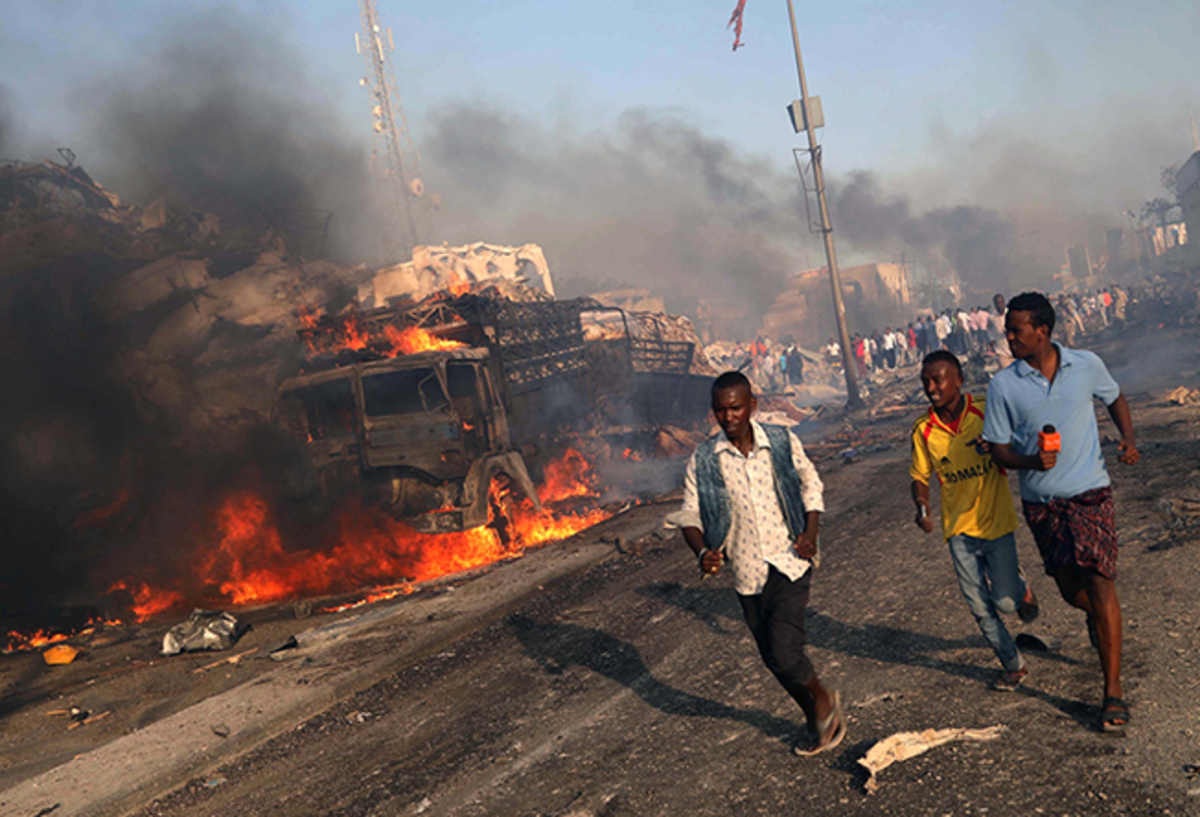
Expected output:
(735, 22)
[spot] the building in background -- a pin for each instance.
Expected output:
(1187, 185)
(876, 295)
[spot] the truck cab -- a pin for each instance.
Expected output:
(421, 436)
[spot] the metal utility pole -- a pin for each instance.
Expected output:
(826, 227)
(401, 161)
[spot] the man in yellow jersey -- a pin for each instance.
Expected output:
(978, 517)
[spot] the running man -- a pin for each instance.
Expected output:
(752, 497)
(978, 517)
(1066, 493)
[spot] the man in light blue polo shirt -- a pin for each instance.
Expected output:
(1066, 494)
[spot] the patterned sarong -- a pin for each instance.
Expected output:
(1079, 532)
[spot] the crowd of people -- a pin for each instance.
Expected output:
(773, 365)
(776, 365)
(964, 331)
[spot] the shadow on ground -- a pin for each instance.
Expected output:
(557, 646)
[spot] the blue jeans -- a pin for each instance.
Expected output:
(991, 584)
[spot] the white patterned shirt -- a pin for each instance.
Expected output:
(758, 534)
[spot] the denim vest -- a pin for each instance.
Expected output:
(715, 508)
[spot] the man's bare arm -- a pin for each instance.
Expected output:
(920, 495)
(806, 543)
(1005, 457)
(1123, 419)
(711, 562)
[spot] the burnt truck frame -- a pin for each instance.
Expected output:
(423, 435)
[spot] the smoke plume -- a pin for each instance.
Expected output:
(226, 119)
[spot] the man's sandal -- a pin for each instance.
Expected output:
(1114, 716)
(831, 730)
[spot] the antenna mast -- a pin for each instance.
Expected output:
(401, 165)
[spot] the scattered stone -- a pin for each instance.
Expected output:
(220, 730)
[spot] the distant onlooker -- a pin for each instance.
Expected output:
(997, 332)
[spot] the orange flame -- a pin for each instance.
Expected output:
(347, 333)
(308, 318)
(414, 339)
(568, 477)
(23, 642)
(249, 564)
(458, 286)
(147, 601)
(20, 642)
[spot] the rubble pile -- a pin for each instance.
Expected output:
(206, 315)
(457, 269)
(672, 441)
(1182, 396)
(676, 329)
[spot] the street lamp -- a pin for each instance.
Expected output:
(806, 113)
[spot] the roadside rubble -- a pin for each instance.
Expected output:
(1181, 512)
(906, 745)
(1182, 396)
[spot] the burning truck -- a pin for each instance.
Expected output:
(427, 409)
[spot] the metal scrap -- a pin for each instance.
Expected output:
(203, 630)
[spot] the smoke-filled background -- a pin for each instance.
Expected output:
(213, 110)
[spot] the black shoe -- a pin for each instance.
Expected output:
(1028, 609)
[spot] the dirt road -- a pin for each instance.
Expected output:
(633, 688)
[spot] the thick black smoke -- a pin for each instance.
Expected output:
(225, 118)
(977, 243)
(95, 481)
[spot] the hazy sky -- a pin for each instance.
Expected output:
(898, 80)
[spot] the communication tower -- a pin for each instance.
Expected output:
(400, 163)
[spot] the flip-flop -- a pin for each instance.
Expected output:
(836, 720)
(1112, 710)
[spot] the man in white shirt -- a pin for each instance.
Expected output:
(833, 352)
(997, 331)
(962, 332)
(751, 497)
(942, 328)
(901, 345)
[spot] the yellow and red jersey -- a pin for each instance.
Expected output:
(976, 500)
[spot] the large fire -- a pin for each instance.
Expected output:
(248, 562)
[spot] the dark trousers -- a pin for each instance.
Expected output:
(776, 619)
